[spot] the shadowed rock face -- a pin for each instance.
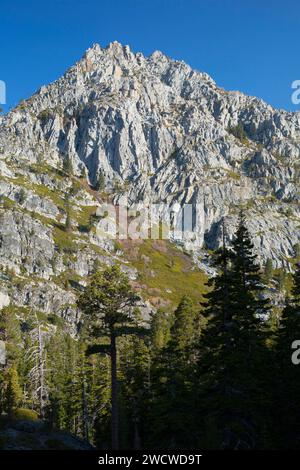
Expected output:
(169, 133)
(34, 435)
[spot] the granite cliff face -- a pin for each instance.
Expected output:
(157, 132)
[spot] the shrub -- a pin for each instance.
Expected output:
(25, 414)
(22, 196)
(238, 132)
(100, 183)
(67, 165)
(44, 115)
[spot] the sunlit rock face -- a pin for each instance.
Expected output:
(160, 132)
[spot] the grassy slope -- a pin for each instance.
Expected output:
(165, 272)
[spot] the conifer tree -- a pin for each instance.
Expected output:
(232, 348)
(107, 303)
(57, 378)
(100, 184)
(281, 278)
(218, 300)
(68, 222)
(67, 165)
(135, 371)
(246, 279)
(182, 329)
(268, 270)
(160, 324)
(10, 334)
(172, 403)
(287, 385)
(83, 172)
(13, 392)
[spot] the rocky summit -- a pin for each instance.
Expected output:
(156, 131)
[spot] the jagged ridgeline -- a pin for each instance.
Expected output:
(153, 130)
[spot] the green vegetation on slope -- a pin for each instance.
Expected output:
(165, 272)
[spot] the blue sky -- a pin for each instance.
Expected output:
(251, 46)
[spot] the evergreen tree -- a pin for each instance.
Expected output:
(183, 328)
(135, 371)
(268, 274)
(67, 165)
(67, 384)
(218, 300)
(238, 131)
(250, 309)
(68, 222)
(297, 250)
(107, 301)
(13, 391)
(247, 301)
(83, 172)
(232, 348)
(281, 279)
(287, 385)
(59, 369)
(99, 392)
(160, 324)
(172, 402)
(10, 334)
(100, 183)
(76, 400)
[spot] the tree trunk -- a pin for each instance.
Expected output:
(137, 437)
(85, 408)
(41, 373)
(114, 394)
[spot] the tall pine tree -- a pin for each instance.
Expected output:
(172, 405)
(232, 347)
(287, 385)
(107, 302)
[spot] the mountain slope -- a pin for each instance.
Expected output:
(157, 132)
(161, 132)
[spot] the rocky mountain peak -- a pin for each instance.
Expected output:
(160, 132)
